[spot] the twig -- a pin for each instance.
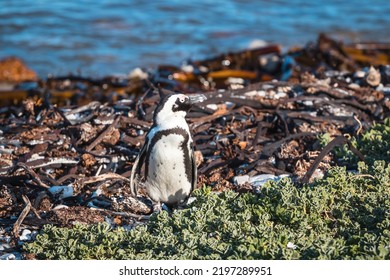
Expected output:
(91, 106)
(22, 216)
(363, 176)
(52, 161)
(32, 173)
(26, 200)
(103, 134)
(360, 125)
(338, 141)
(125, 214)
(105, 176)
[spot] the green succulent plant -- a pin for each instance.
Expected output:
(345, 215)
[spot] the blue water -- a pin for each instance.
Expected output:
(111, 36)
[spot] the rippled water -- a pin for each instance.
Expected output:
(113, 36)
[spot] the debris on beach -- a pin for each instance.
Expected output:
(67, 144)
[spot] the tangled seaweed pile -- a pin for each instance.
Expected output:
(67, 149)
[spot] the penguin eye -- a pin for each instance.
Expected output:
(181, 103)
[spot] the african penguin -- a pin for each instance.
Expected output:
(170, 171)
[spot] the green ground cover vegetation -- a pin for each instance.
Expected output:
(345, 215)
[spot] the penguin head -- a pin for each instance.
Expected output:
(175, 105)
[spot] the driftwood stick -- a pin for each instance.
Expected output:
(125, 214)
(26, 200)
(338, 141)
(102, 135)
(103, 177)
(22, 216)
(32, 173)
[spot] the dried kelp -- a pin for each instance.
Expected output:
(66, 151)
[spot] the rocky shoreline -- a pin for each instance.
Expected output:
(67, 144)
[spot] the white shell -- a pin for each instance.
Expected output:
(26, 235)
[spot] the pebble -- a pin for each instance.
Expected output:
(27, 235)
(191, 200)
(138, 73)
(11, 256)
(280, 94)
(257, 43)
(212, 106)
(4, 246)
(188, 68)
(250, 93)
(226, 62)
(308, 103)
(60, 206)
(360, 74)
(373, 77)
(233, 80)
(318, 174)
(353, 86)
(8, 256)
(291, 245)
(240, 180)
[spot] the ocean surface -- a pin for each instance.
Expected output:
(98, 38)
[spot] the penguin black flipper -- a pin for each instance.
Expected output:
(136, 170)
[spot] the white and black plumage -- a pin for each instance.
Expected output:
(169, 166)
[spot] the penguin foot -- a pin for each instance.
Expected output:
(158, 207)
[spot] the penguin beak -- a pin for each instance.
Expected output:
(196, 98)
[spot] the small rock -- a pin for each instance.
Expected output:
(318, 174)
(130, 204)
(233, 80)
(353, 86)
(240, 180)
(191, 200)
(188, 68)
(359, 74)
(291, 245)
(373, 77)
(138, 73)
(8, 256)
(26, 235)
(257, 43)
(4, 246)
(61, 206)
(280, 94)
(212, 106)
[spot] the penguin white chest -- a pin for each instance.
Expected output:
(167, 179)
